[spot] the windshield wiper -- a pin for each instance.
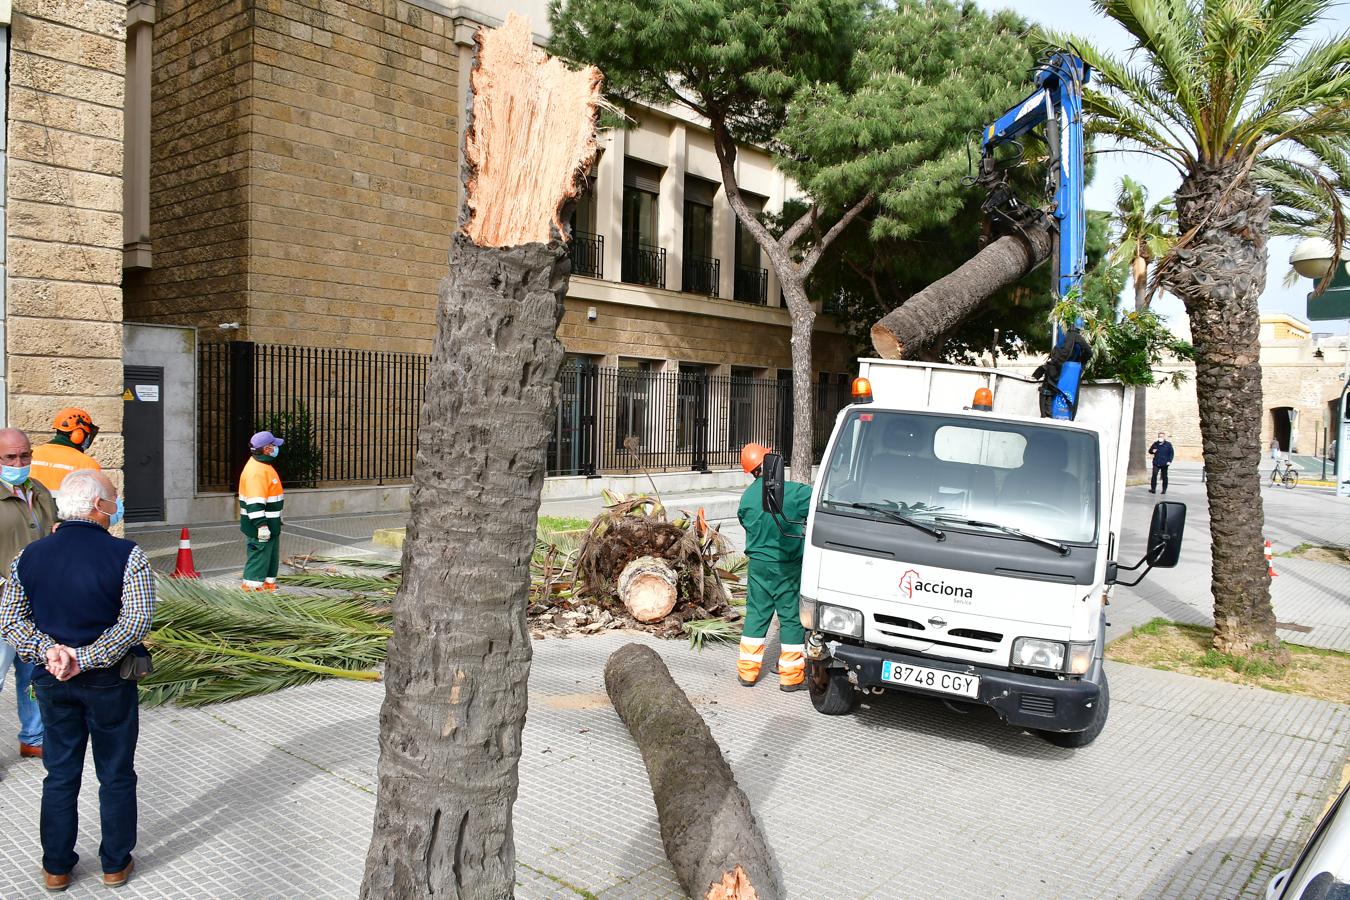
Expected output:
(1063, 549)
(895, 516)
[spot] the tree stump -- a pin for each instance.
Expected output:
(707, 826)
(648, 587)
(459, 658)
(906, 331)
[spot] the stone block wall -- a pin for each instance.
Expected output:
(304, 170)
(63, 240)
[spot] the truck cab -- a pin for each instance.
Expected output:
(961, 546)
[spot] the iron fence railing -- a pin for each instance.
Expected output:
(588, 254)
(644, 264)
(752, 285)
(702, 275)
(351, 417)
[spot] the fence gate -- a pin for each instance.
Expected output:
(143, 434)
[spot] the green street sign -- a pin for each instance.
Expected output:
(1334, 303)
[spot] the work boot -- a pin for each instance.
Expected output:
(745, 683)
(117, 879)
(55, 882)
(792, 688)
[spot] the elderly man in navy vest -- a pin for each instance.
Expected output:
(75, 604)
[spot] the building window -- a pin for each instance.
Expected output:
(632, 402)
(752, 279)
(588, 248)
(644, 261)
(702, 272)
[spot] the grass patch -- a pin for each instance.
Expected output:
(1319, 553)
(550, 525)
(1188, 649)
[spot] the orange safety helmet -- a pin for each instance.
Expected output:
(752, 456)
(77, 424)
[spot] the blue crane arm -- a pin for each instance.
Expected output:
(1056, 104)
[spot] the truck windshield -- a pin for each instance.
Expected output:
(1039, 479)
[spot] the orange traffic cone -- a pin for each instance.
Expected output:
(185, 567)
(1270, 562)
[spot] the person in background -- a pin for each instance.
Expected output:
(75, 603)
(27, 513)
(260, 502)
(1162, 454)
(774, 579)
(66, 451)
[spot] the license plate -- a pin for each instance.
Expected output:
(931, 679)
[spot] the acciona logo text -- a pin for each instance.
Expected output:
(911, 581)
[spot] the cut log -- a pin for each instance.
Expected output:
(648, 587)
(707, 826)
(907, 331)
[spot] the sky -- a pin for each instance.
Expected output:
(1078, 17)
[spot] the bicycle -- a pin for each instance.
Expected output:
(1288, 476)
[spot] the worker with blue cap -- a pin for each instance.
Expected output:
(260, 501)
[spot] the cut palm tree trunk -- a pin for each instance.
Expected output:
(459, 659)
(707, 826)
(907, 331)
(648, 587)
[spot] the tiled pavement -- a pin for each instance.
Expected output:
(1196, 789)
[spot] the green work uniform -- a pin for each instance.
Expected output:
(775, 561)
(260, 502)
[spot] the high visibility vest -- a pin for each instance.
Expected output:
(260, 497)
(53, 462)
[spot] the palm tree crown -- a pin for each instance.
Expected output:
(1143, 233)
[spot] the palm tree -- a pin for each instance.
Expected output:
(1218, 88)
(1143, 235)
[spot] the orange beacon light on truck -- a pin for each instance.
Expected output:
(862, 390)
(984, 400)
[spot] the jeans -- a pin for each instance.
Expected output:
(1153, 484)
(95, 707)
(30, 719)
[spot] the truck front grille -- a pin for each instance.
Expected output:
(976, 635)
(898, 621)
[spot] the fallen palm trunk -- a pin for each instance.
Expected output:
(648, 588)
(707, 826)
(908, 330)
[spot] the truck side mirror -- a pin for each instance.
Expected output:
(771, 473)
(1164, 534)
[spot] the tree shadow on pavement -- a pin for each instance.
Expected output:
(1239, 867)
(240, 798)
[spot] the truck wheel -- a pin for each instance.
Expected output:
(831, 694)
(1072, 739)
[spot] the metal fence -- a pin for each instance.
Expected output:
(350, 417)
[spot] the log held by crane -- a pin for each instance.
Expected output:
(907, 331)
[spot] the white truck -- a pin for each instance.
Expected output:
(961, 546)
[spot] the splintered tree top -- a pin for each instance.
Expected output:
(531, 136)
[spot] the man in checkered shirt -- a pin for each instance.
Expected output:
(75, 604)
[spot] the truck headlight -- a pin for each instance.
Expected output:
(1080, 658)
(806, 609)
(1034, 653)
(838, 620)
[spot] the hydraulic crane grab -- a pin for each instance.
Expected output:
(1057, 104)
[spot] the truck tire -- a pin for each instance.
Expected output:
(1074, 739)
(831, 693)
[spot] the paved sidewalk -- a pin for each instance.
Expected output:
(1196, 790)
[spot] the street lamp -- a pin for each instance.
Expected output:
(1312, 257)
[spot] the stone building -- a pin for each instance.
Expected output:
(1301, 376)
(292, 188)
(61, 155)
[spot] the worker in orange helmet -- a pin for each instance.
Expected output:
(775, 577)
(65, 452)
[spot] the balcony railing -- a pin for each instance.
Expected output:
(702, 275)
(752, 285)
(588, 254)
(644, 264)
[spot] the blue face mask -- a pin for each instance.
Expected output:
(116, 515)
(14, 475)
(272, 451)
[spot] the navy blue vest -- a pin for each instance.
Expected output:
(73, 580)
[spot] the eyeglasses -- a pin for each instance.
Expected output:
(13, 459)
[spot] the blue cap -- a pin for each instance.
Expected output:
(263, 438)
